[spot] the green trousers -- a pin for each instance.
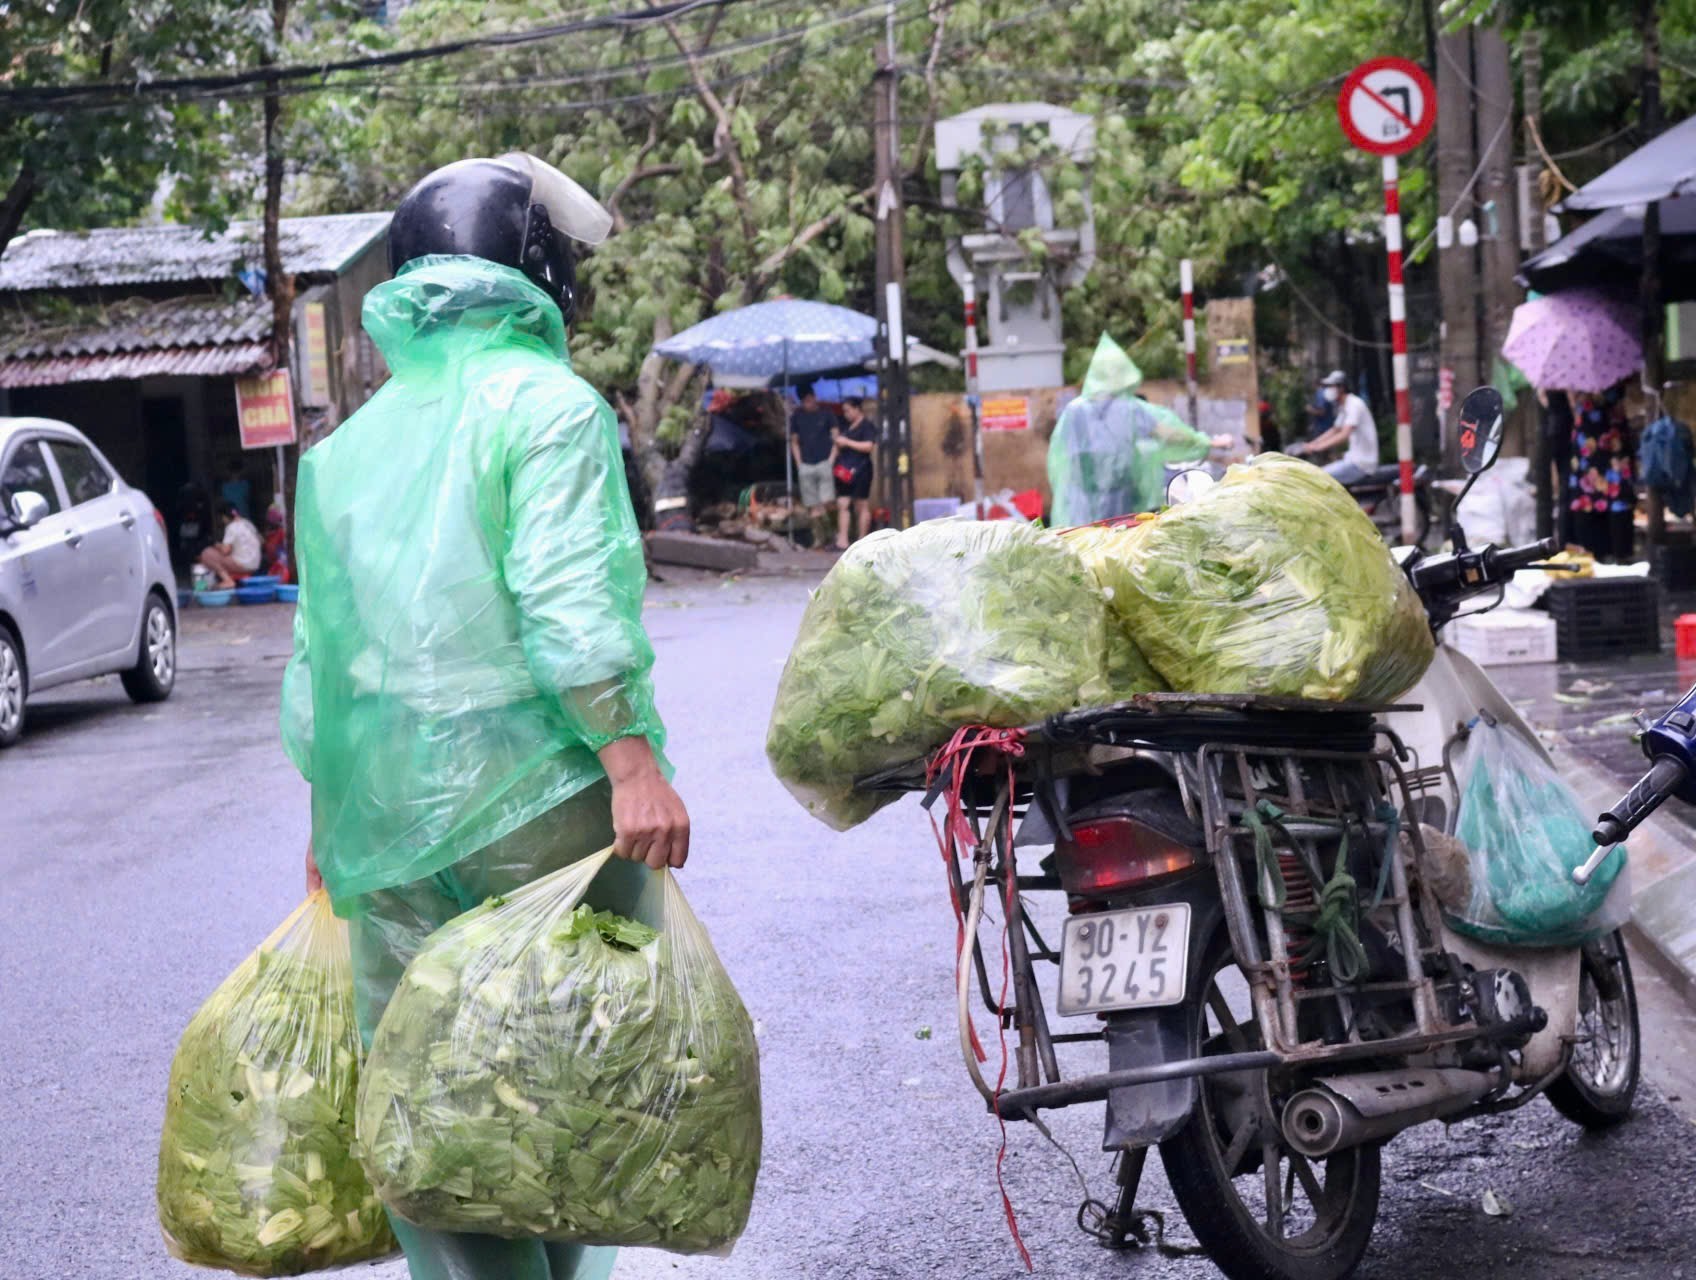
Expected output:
(387, 928)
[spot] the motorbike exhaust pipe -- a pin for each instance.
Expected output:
(1334, 1114)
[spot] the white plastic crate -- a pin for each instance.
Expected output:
(1504, 637)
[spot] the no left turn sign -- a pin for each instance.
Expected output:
(1387, 106)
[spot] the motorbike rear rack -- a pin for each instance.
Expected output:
(1321, 766)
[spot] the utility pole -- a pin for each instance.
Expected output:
(1531, 194)
(1654, 315)
(894, 432)
(1457, 262)
(1499, 235)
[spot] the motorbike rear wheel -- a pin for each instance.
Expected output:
(1261, 1210)
(1600, 1082)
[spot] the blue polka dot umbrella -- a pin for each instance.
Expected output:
(776, 339)
(1575, 340)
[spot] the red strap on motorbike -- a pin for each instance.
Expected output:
(955, 762)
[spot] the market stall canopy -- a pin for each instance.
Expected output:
(1663, 167)
(1580, 340)
(1609, 248)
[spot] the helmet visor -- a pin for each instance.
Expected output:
(573, 211)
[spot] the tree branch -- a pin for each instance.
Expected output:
(15, 205)
(724, 140)
(802, 238)
(939, 24)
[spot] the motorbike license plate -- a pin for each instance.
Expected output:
(1132, 959)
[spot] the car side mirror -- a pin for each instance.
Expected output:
(28, 510)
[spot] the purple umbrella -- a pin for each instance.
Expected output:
(1577, 340)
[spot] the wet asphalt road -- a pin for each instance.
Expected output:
(147, 850)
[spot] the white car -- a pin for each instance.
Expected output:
(86, 587)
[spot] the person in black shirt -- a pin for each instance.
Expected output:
(853, 473)
(811, 443)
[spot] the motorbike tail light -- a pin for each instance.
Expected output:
(1106, 854)
(160, 517)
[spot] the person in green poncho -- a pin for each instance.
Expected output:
(1109, 451)
(470, 694)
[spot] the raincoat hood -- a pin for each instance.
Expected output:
(441, 309)
(1111, 371)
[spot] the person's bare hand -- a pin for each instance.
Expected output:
(649, 823)
(314, 881)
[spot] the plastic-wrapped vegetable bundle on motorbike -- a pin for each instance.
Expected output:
(256, 1169)
(549, 1071)
(916, 633)
(1524, 831)
(1274, 583)
(1128, 668)
(1109, 451)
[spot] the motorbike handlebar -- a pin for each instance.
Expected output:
(1664, 778)
(1503, 562)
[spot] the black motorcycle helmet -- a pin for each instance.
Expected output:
(518, 211)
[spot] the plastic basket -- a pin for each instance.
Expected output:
(1599, 617)
(1504, 637)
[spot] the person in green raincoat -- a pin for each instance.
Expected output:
(1109, 451)
(469, 695)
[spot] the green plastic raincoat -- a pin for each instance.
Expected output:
(1109, 451)
(469, 630)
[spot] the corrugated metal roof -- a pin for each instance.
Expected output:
(46, 343)
(53, 371)
(164, 254)
(130, 324)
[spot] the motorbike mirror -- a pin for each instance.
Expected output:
(1480, 429)
(1188, 485)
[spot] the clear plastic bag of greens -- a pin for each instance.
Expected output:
(546, 1070)
(1524, 831)
(256, 1169)
(1273, 582)
(1129, 671)
(912, 635)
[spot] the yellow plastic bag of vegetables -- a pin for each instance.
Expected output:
(1274, 582)
(256, 1169)
(916, 633)
(549, 1071)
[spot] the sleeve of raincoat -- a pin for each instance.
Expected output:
(296, 719)
(574, 562)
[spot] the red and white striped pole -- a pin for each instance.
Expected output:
(1186, 282)
(969, 287)
(1398, 344)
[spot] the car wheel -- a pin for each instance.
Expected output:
(14, 688)
(155, 670)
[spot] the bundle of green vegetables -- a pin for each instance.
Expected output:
(1274, 582)
(1128, 668)
(256, 1171)
(546, 1070)
(913, 634)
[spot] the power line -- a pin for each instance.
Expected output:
(46, 96)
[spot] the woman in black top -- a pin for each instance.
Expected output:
(852, 466)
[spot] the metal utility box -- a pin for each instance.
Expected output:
(1023, 168)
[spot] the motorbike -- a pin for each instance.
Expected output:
(1379, 495)
(1204, 848)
